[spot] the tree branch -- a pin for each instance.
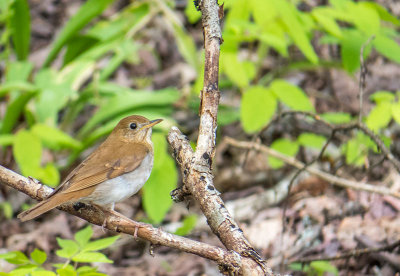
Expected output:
(196, 166)
(119, 223)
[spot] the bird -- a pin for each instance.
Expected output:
(114, 171)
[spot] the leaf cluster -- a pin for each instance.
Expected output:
(81, 250)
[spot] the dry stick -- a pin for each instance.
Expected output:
(122, 224)
(196, 166)
(352, 253)
(335, 180)
(363, 73)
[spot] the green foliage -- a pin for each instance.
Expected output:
(7, 209)
(256, 27)
(43, 105)
(258, 107)
(80, 250)
(187, 225)
(85, 14)
(284, 146)
(162, 180)
(20, 27)
(336, 117)
(315, 268)
(311, 140)
(291, 95)
(356, 149)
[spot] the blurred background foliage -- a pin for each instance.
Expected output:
(55, 110)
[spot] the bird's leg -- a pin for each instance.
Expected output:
(110, 209)
(137, 224)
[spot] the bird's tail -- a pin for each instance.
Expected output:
(41, 208)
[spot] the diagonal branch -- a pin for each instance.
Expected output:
(118, 223)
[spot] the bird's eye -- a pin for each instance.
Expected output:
(133, 126)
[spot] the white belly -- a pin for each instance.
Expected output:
(123, 186)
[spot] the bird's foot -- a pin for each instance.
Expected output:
(79, 205)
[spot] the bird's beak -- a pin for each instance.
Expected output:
(152, 123)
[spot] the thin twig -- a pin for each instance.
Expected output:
(350, 254)
(363, 73)
(335, 180)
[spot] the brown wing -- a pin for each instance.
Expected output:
(105, 163)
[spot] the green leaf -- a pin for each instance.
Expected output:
(7, 209)
(20, 28)
(355, 152)
(365, 18)
(234, 69)
(122, 23)
(100, 244)
(380, 116)
(17, 258)
(6, 140)
(68, 248)
(89, 271)
(284, 146)
(311, 140)
(351, 43)
(291, 95)
(78, 45)
(91, 257)
(192, 13)
(383, 13)
(14, 110)
(54, 94)
(23, 270)
(323, 267)
(290, 18)
(336, 117)
(263, 11)
(226, 116)
(323, 17)
(49, 175)
(299, 267)
(396, 112)
(43, 273)
(54, 138)
(186, 46)
(382, 96)
(66, 271)
(257, 108)
(188, 224)
(16, 85)
(162, 180)
(18, 71)
(387, 47)
(27, 152)
(38, 256)
(85, 14)
(83, 236)
(126, 50)
(8, 255)
(128, 100)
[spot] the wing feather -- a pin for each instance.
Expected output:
(106, 164)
